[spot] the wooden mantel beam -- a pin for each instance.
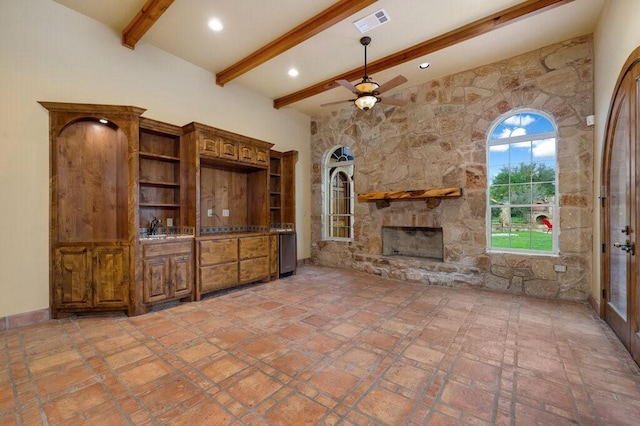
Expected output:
(143, 21)
(325, 19)
(416, 194)
(466, 32)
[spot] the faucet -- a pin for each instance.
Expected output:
(154, 225)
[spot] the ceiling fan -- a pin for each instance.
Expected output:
(368, 91)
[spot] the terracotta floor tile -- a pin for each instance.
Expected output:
(295, 332)
(204, 413)
(198, 351)
(408, 376)
(254, 388)
(144, 373)
(72, 403)
(386, 407)
(470, 400)
(477, 371)
(292, 363)
(223, 368)
(334, 382)
(165, 393)
(325, 346)
(261, 347)
(424, 354)
(296, 410)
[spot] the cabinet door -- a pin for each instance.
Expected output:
(182, 275)
(111, 276)
(72, 278)
(156, 279)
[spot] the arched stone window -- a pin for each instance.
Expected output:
(522, 191)
(338, 200)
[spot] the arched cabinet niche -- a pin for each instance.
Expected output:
(92, 187)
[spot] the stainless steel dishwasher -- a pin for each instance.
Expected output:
(287, 252)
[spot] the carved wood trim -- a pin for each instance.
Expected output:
(325, 19)
(466, 32)
(143, 21)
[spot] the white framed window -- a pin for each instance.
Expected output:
(522, 192)
(339, 198)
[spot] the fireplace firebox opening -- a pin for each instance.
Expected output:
(412, 241)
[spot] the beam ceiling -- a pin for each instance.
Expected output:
(140, 24)
(330, 16)
(466, 32)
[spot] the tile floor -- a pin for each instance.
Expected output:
(325, 346)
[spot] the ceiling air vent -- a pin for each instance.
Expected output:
(374, 20)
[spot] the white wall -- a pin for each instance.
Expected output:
(50, 53)
(616, 36)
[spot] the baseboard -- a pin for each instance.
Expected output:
(595, 304)
(25, 319)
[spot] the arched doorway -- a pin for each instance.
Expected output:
(620, 223)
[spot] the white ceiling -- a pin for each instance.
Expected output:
(250, 24)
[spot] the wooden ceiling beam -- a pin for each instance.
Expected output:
(148, 15)
(325, 19)
(466, 32)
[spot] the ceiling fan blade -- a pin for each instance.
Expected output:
(347, 85)
(336, 102)
(392, 101)
(394, 82)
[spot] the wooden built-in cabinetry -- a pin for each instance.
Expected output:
(282, 208)
(145, 212)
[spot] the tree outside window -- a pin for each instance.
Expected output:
(522, 183)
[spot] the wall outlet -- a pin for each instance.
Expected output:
(225, 213)
(209, 212)
(591, 120)
(169, 221)
(560, 268)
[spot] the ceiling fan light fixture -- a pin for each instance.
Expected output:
(366, 101)
(367, 86)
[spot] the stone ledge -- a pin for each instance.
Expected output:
(417, 270)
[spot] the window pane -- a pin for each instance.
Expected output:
(520, 194)
(544, 149)
(543, 193)
(499, 194)
(520, 173)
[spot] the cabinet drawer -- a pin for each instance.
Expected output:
(252, 247)
(213, 252)
(164, 248)
(218, 277)
(254, 269)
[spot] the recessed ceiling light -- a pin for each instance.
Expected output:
(103, 121)
(424, 65)
(215, 24)
(293, 72)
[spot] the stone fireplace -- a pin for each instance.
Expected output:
(412, 241)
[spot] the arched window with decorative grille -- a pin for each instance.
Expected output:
(339, 198)
(522, 211)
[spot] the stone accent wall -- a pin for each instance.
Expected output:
(439, 140)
